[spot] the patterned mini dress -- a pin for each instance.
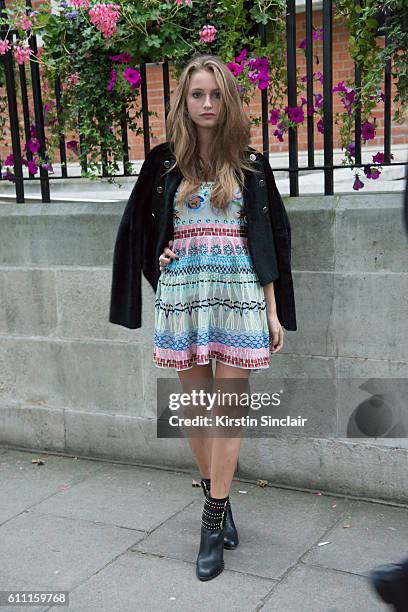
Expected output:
(209, 302)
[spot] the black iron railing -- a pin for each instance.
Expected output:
(293, 169)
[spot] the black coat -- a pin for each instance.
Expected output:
(147, 226)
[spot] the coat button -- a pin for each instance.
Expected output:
(252, 157)
(152, 214)
(167, 164)
(265, 209)
(159, 189)
(261, 183)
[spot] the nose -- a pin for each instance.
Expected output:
(207, 103)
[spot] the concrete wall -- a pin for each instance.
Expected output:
(72, 382)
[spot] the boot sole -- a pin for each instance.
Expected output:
(213, 576)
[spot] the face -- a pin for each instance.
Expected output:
(204, 97)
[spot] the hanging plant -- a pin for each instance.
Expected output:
(95, 51)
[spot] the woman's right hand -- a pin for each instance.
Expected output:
(166, 256)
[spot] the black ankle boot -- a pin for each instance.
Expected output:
(210, 559)
(231, 540)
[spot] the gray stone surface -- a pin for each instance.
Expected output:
(276, 526)
(381, 534)
(320, 590)
(71, 381)
(115, 542)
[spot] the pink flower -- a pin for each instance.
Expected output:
(22, 54)
(72, 80)
(104, 18)
(318, 100)
(24, 23)
(80, 3)
(133, 77)
(208, 34)
(318, 76)
(320, 126)
(279, 132)
(339, 87)
(4, 46)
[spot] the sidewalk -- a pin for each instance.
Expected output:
(124, 538)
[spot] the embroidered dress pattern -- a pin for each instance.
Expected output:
(209, 302)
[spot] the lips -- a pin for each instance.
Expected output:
(208, 115)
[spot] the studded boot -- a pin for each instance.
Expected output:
(210, 559)
(231, 540)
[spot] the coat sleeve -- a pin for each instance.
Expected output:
(277, 200)
(126, 286)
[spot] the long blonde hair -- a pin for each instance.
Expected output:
(226, 155)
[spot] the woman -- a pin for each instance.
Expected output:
(208, 276)
(210, 300)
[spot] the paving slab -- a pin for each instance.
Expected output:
(24, 484)
(125, 496)
(138, 582)
(370, 534)
(56, 552)
(311, 589)
(125, 538)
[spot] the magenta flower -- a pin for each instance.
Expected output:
(235, 68)
(113, 79)
(32, 145)
(339, 87)
(133, 77)
(72, 145)
(371, 173)
(4, 46)
(368, 130)
(320, 126)
(295, 113)
(357, 183)
(9, 161)
(278, 133)
(318, 76)
(32, 167)
(351, 148)
(318, 100)
(122, 58)
(241, 56)
(274, 116)
(8, 176)
(208, 34)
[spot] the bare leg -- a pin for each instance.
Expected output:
(225, 451)
(200, 446)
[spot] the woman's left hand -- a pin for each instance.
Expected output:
(275, 333)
